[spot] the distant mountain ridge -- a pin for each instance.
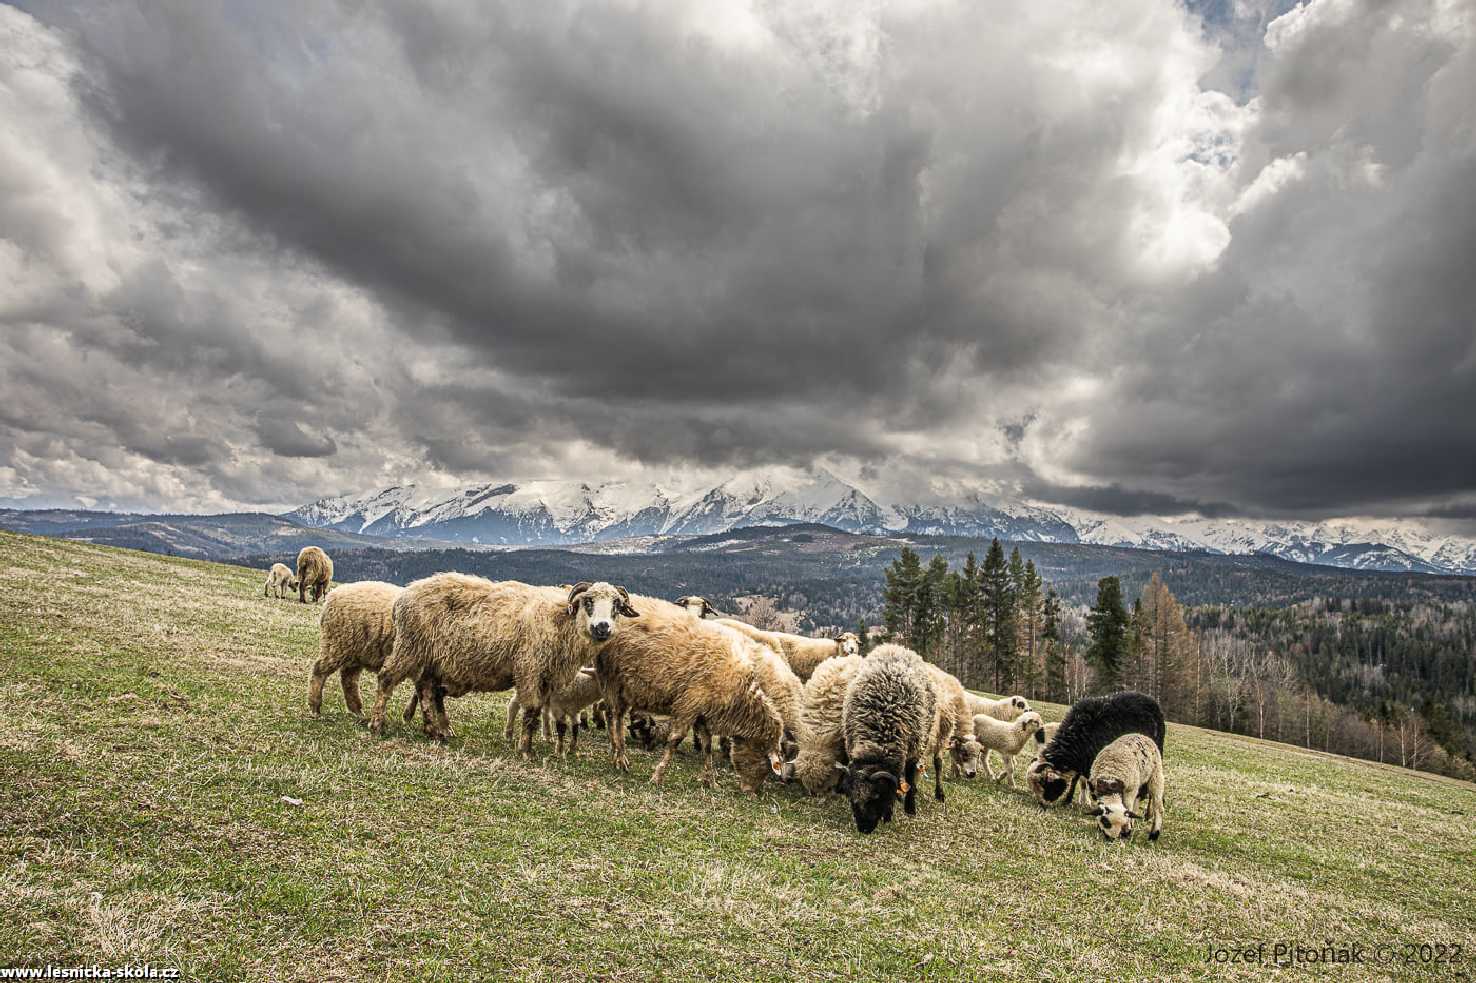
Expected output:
(563, 513)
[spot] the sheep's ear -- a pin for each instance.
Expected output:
(574, 594)
(590, 671)
(623, 605)
(1133, 815)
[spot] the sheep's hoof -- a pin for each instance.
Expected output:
(1153, 836)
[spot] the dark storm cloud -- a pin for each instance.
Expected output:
(1117, 500)
(314, 245)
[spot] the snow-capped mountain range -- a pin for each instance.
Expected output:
(558, 513)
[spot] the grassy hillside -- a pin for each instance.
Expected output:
(153, 728)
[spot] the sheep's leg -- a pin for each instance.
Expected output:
(937, 777)
(678, 733)
(512, 720)
(532, 716)
(909, 775)
(409, 713)
(1009, 767)
(1155, 808)
(562, 729)
(574, 735)
(547, 724)
(389, 678)
(615, 715)
(315, 687)
(431, 699)
(348, 678)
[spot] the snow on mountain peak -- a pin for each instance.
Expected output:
(553, 511)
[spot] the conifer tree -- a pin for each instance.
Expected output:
(1107, 624)
(1055, 655)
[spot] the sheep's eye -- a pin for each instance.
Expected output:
(589, 605)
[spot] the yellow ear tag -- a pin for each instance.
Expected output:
(902, 789)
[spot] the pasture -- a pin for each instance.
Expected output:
(166, 797)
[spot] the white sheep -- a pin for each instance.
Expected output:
(1126, 772)
(279, 578)
(1005, 708)
(562, 710)
(667, 662)
(1005, 737)
(457, 634)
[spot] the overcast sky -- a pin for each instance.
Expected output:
(1127, 256)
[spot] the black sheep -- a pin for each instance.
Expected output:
(1091, 724)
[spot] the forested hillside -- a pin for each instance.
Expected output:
(1389, 680)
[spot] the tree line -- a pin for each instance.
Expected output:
(1353, 677)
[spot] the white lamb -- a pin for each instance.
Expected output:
(1007, 738)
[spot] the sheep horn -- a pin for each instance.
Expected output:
(574, 593)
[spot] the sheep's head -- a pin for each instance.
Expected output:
(1011, 708)
(597, 606)
(872, 790)
(697, 606)
(1114, 818)
(850, 643)
(754, 763)
(1030, 723)
(968, 754)
(1046, 782)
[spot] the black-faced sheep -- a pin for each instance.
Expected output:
(314, 573)
(1006, 737)
(1090, 725)
(804, 655)
(456, 634)
(688, 669)
(356, 632)
(888, 718)
(279, 579)
(1124, 774)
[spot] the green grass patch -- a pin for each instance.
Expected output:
(153, 724)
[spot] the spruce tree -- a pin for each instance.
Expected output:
(904, 577)
(1107, 624)
(999, 603)
(1055, 655)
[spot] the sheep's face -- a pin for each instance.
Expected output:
(968, 754)
(697, 607)
(872, 791)
(1030, 723)
(1114, 819)
(1047, 783)
(850, 643)
(597, 607)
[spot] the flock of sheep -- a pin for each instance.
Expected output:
(785, 707)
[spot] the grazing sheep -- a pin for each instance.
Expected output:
(689, 669)
(456, 634)
(1006, 708)
(888, 717)
(825, 743)
(697, 606)
(1126, 772)
(563, 709)
(955, 726)
(314, 572)
(803, 654)
(357, 632)
(279, 578)
(1006, 737)
(1091, 724)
